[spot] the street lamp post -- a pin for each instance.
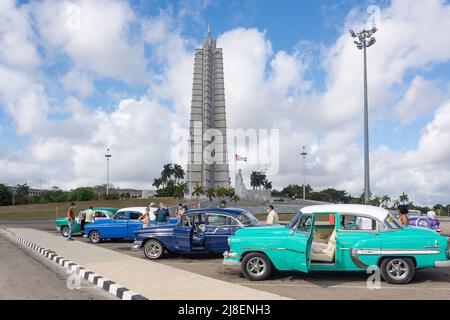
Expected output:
(107, 156)
(304, 154)
(365, 41)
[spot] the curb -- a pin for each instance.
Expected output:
(114, 288)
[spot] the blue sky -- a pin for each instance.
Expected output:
(132, 61)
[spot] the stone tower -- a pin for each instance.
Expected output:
(208, 120)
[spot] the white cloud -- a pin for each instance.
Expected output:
(94, 34)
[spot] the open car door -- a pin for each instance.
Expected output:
(299, 244)
(183, 234)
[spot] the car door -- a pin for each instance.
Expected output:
(358, 241)
(298, 244)
(133, 223)
(183, 234)
(118, 226)
(218, 228)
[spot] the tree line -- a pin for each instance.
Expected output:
(342, 196)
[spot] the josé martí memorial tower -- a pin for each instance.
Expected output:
(208, 120)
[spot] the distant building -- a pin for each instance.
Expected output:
(31, 191)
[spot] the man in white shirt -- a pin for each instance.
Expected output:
(90, 215)
(272, 217)
(431, 215)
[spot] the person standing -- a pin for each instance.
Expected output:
(162, 214)
(152, 212)
(222, 204)
(90, 215)
(272, 215)
(403, 211)
(179, 211)
(70, 219)
(145, 218)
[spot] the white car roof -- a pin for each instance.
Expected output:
(137, 209)
(375, 212)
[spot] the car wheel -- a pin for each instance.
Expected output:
(153, 249)
(397, 270)
(65, 231)
(422, 223)
(256, 266)
(94, 237)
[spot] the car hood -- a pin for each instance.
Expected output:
(262, 230)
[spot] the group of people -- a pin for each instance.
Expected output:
(160, 213)
(403, 214)
(86, 217)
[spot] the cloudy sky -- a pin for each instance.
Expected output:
(78, 76)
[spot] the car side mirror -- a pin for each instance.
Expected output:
(292, 231)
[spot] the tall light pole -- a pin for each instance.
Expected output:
(107, 156)
(365, 41)
(304, 154)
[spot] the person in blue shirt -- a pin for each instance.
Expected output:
(162, 214)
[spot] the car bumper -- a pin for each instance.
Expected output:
(231, 259)
(442, 264)
(136, 245)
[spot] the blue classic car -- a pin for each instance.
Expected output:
(198, 230)
(121, 226)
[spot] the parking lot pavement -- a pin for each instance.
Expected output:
(431, 284)
(27, 275)
(152, 280)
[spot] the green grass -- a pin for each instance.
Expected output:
(48, 211)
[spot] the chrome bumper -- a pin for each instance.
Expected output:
(136, 245)
(227, 261)
(442, 264)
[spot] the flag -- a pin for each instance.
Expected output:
(239, 158)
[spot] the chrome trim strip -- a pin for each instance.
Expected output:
(272, 249)
(394, 251)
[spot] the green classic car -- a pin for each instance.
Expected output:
(338, 238)
(100, 213)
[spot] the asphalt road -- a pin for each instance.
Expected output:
(433, 284)
(25, 274)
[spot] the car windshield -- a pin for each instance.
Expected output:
(247, 219)
(392, 223)
(294, 220)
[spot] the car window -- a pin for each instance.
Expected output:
(304, 224)
(135, 215)
(217, 220)
(186, 220)
(392, 222)
(100, 214)
(121, 216)
(358, 223)
(324, 219)
(222, 220)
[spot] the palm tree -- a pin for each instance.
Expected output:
(235, 198)
(210, 193)
(198, 191)
(178, 172)
(181, 190)
(267, 184)
(221, 192)
(404, 198)
(157, 182)
(166, 173)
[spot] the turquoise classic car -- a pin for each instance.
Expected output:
(338, 238)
